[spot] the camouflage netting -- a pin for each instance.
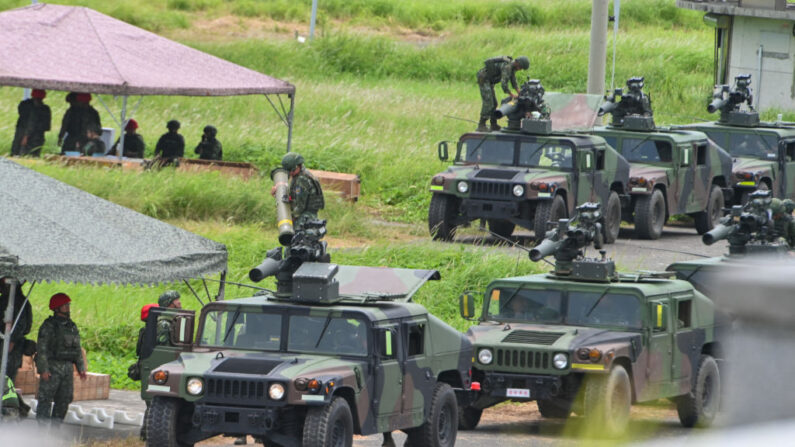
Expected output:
(54, 232)
(69, 48)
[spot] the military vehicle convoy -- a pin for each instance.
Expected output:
(764, 153)
(525, 175)
(587, 339)
(671, 171)
(332, 352)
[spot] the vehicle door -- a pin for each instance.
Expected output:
(682, 185)
(584, 177)
(687, 341)
(601, 177)
(787, 160)
(660, 345)
(419, 380)
(387, 398)
(154, 353)
(702, 182)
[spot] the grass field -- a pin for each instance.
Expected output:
(375, 90)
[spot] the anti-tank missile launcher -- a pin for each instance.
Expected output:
(728, 101)
(630, 110)
(749, 229)
(529, 104)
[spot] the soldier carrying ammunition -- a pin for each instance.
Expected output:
(305, 195)
(634, 102)
(496, 70)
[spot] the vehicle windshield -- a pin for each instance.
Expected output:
(751, 145)
(488, 151)
(639, 150)
(549, 154)
(567, 308)
(238, 329)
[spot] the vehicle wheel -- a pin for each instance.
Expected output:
(608, 398)
(650, 215)
(554, 408)
(441, 213)
(441, 428)
(548, 211)
(468, 418)
(503, 228)
(329, 426)
(163, 422)
(707, 219)
(612, 218)
(700, 407)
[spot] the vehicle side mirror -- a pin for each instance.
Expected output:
(182, 330)
(466, 305)
(386, 343)
(442, 150)
(660, 317)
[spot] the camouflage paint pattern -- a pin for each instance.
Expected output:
(594, 170)
(771, 164)
(686, 180)
(386, 388)
(660, 361)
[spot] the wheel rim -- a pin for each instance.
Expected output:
(338, 434)
(445, 424)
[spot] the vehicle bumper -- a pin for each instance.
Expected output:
(223, 419)
(521, 386)
(488, 209)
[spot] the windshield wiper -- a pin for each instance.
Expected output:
(323, 332)
(598, 300)
(536, 151)
(513, 295)
(231, 325)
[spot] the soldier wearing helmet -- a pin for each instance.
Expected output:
(169, 300)
(171, 145)
(497, 70)
(306, 195)
(781, 213)
(209, 148)
(58, 352)
(34, 120)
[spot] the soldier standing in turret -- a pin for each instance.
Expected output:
(59, 349)
(497, 70)
(169, 300)
(306, 195)
(34, 119)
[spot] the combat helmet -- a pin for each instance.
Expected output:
(167, 297)
(523, 62)
(172, 125)
(210, 131)
(291, 161)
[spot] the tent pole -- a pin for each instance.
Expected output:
(290, 123)
(120, 150)
(8, 319)
(221, 287)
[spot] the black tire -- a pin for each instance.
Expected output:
(501, 227)
(612, 218)
(468, 417)
(554, 408)
(608, 398)
(707, 219)
(329, 426)
(163, 423)
(650, 215)
(700, 407)
(441, 427)
(548, 211)
(441, 213)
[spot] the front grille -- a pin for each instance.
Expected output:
(495, 173)
(223, 390)
(519, 358)
(488, 189)
(532, 337)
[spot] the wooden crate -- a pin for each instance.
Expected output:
(95, 387)
(27, 382)
(348, 185)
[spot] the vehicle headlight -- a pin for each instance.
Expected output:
(463, 187)
(485, 357)
(518, 190)
(276, 391)
(195, 386)
(560, 360)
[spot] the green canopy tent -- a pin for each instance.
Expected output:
(54, 232)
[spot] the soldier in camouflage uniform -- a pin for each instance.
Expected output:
(209, 148)
(170, 300)
(781, 211)
(306, 195)
(18, 342)
(497, 70)
(59, 351)
(34, 119)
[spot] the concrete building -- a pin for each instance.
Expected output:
(755, 37)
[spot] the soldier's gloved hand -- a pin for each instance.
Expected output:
(83, 375)
(45, 376)
(273, 190)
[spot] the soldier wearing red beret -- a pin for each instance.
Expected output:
(34, 120)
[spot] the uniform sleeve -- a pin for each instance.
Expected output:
(46, 119)
(159, 145)
(46, 333)
(506, 76)
(181, 148)
(163, 332)
(65, 124)
(198, 149)
(78, 359)
(220, 150)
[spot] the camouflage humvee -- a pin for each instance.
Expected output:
(586, 339)
(334, 351)
(671, 172)
(527, 175)
(763, 153)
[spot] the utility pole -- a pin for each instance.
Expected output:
(598, 54)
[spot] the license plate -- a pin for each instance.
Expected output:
(517, 392)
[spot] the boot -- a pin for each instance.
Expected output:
(482, 126)
(494, 125)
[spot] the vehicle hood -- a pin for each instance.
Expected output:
(507, 174)
(545, 337)
(751, 164)
(649, 172)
